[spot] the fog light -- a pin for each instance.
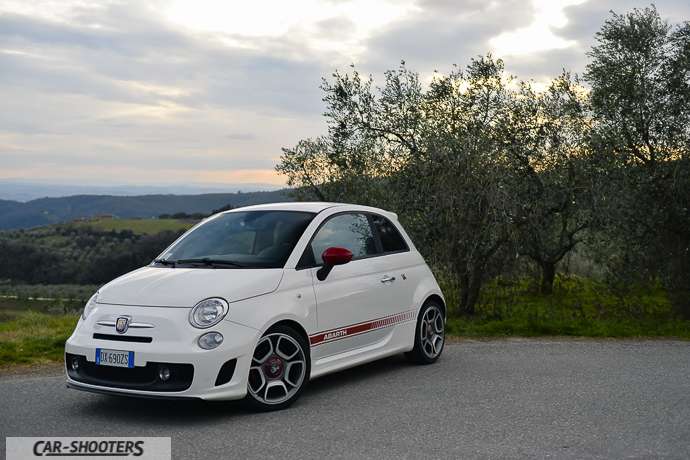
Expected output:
(210, 341)
(75, 363)
(164, 373)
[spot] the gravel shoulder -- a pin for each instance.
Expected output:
(32, 371)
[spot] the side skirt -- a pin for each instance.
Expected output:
(401, 339)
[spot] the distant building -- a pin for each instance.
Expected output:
(103, 216)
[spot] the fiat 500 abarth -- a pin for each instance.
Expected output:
(254, 302)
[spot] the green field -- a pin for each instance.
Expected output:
(140, 226)
(35, 331)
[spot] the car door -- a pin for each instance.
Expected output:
(356, 300)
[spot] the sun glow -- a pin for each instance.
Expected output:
(538, 36)
(48, 171)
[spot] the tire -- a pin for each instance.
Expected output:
(430, 334)
(279, 370)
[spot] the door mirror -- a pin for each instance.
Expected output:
(332, 257)
(336, 256)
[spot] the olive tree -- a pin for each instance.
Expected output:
(356, 160)
(459, 185)
(561, 190)
(640, 79)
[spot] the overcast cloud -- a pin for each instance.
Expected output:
(208, 91)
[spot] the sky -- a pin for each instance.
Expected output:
(206, 91)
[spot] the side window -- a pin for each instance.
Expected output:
(391, 239)
(349, 231)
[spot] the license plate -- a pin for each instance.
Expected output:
(114, 358)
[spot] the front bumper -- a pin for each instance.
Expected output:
(216, 374)
(146, 378)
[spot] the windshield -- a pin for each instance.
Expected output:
(254, 239)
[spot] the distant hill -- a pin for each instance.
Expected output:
(24, 190)
(14, 215)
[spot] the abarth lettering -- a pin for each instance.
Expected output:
(335, 335)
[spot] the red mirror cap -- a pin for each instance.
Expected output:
(336, 256)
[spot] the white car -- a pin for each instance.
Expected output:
(254, 302)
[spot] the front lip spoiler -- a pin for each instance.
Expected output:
(77, 386)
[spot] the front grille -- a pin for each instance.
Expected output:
(136, 375)
(135, 378)
(122, 338)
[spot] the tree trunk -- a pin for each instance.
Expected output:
(472, 298)
(548, 275)
(464, 293)
(469, 294)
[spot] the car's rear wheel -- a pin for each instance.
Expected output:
(279, 370)
(430, 334)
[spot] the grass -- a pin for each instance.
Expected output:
(35, 331)
(531, 327)
(577, 308)
(572, 299)
(140, 226)
(34, 337)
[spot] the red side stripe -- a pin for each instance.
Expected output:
(352, 330)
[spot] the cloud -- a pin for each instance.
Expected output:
(142, 92)
(445, 33)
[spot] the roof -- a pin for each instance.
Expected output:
(306, 206)
(309, 206)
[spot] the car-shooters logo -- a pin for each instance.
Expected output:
(119, 448)
(84, 448)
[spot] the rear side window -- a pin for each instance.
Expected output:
(391, 239)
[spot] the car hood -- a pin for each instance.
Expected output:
(185, 287)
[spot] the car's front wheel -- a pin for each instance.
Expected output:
(279, 370)
(430, 334)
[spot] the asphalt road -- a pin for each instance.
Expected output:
(529, 399)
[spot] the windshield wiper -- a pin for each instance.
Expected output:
(164, 262)
(209, 262)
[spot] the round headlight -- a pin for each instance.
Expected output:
(90, 306)
(208, 312)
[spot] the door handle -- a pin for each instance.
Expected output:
(386, 279)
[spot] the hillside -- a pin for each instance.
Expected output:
(24, 190)
(14, 215)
